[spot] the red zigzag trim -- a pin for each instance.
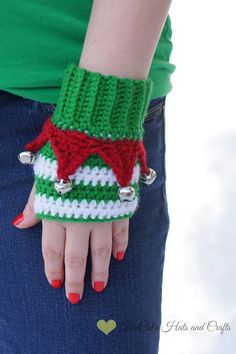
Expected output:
(72, 148)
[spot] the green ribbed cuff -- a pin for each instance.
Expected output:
(103, 106)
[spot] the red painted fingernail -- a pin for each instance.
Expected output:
(18, 219)
(99, 286)
(120, 256)
(56, 283)
(74, 298)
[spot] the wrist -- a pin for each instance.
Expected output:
(103, 106)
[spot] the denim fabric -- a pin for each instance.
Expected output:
(37, 319)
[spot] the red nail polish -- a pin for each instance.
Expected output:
(18, 219)
(56, 283)
(99, 286)
(74, 298)
(120, 256)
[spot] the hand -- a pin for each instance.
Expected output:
(68, 242)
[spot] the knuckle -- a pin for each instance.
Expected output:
(121, 235)
(101, 275)
(30, 207)
(103, 252)
(74, 284)
(51, 274)
(52, 254)
(121, 245)
(75, 261)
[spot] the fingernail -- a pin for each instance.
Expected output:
(99, 286)
(18, 219)
(56, 283)
(74, 298)
(120, 256)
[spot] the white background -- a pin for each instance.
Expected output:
(200, 263)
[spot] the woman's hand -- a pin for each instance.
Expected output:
(67, 243)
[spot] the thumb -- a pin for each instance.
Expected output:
(27, 218)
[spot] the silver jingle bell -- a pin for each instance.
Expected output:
(26, 157)
(62, 186)
(148, 179)
(126, 194)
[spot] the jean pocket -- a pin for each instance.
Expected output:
(47, 108)
(165, 200)
(155, 108)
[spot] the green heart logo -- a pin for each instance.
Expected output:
(106, 327)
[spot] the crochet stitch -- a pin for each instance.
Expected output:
(73, 148)
(94, 140)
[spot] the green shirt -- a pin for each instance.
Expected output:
(39, 38)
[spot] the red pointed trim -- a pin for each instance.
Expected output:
(72, 148)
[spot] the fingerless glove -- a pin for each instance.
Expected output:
(89, 157)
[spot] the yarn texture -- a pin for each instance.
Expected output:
(93, 139)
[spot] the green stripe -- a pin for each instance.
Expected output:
(80, 191)
(89, 219)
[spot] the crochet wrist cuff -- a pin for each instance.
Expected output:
(89, 156)
(102, 106)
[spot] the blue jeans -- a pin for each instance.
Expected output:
(37, 319)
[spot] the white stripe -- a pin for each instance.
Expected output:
(83, 209)
(45, 168)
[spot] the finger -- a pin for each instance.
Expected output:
(120, 237)
(53, 247)
(101, 247)
(76, 251)
(27, 218)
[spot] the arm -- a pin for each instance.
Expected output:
(122, 36)
(101, 109)
(121, 39)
